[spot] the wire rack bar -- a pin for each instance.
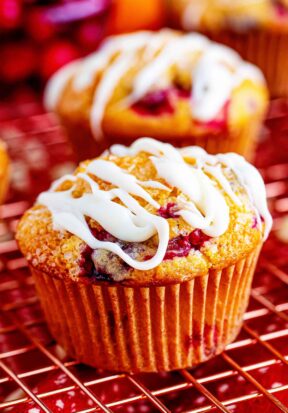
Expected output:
(188, 376)
(157, 393)
(156, 402)
(270, 307)
(265, 344)
(255, 383)
(62, 366)
(238, 400)
(273, 269)
(24, 387)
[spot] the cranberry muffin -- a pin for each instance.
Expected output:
(258, 30)
(179, 88)
(4, 171)
(143, 258)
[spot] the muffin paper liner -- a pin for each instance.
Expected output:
(155, 328)
(242, 141)
(266, 49)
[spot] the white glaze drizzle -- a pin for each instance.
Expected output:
(215, 71)
(105, 90)
(203, 205)
(251, 179)
(57, 83)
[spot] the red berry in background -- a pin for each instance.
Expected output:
(90, 33)
(38, 26)
(56, 55)
(10, 13)
(18, 61)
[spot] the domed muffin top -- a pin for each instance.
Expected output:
(149, 213)
(148, 74)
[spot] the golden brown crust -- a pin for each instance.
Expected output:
(63, 255)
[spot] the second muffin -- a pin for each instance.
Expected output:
(179, 88)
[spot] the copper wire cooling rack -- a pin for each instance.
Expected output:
(36, 375)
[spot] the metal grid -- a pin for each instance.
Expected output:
(35, 375)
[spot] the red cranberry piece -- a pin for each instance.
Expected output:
(220, 121)
(102, 235)
(181, 91)
(156, 98)
(154, 103)
(85, 262)
(168, 211)
(254, 222)
(197, 238)
(178, 247)
(280, 8)
(87, 267)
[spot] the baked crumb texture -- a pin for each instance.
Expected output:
(190, 251)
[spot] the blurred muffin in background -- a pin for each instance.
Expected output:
(258, 30)
(179, 88)
(4, 171)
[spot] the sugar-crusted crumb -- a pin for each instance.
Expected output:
(62, 254)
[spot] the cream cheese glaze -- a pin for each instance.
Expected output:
(215, 71)
(204, 206)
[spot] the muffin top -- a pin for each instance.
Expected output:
(147, 76)
(147, 214)
(239, 15)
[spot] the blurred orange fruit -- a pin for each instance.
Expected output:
(130, 15)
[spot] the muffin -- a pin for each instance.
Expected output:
(258, 30)
(178, 88)
(4, 171)
(143, 258)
